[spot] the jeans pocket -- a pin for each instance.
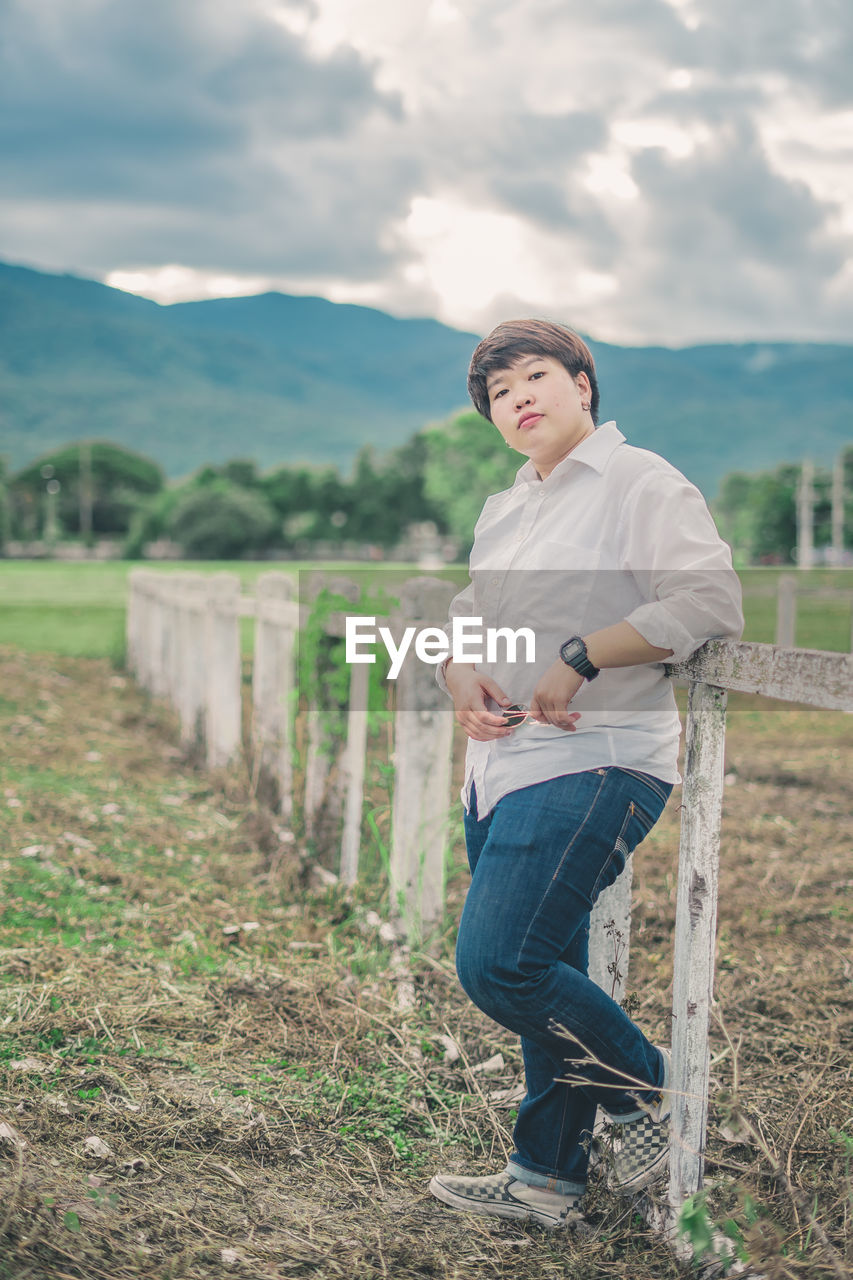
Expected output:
(615, 863)
(639, 819)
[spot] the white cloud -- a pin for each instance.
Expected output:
(668, 134)
(670, 171)
(174, 283)
(609, 175)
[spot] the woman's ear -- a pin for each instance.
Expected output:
(583, 385)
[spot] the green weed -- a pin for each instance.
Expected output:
(384, 1104)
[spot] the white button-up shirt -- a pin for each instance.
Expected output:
(613, 533)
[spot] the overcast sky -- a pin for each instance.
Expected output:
(650, 171)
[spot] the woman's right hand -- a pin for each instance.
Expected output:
(469, 689)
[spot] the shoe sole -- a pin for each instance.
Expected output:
(494, 1209)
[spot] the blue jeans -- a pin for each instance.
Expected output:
(538, 862)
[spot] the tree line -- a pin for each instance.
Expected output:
(95, 490)
(757, 513)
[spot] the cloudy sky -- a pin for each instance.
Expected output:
(651, 171)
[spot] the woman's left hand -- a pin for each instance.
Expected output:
(552, 695)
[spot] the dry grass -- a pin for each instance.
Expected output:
(266, 1108)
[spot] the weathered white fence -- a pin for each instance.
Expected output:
(183, 644)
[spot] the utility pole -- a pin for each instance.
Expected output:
(805, 516)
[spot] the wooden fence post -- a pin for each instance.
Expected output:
(276, 620)
(611, 946)
(191, 692)
(321, 755)
(134, 622)
(174, 600)
(223, 703)
(145, 587)
(786, 611)
(353, 770)
(168, 642)
(156, 639)
(695, 936)
(423, 728)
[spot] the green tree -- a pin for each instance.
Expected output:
(822, 507)
(222, 522)
(4, 507)
(242, 472)
(847, 471)
(151, 519)
(774, 502)
(120, 481)
(405, 472)
(289, 489)
(331, 507)
(757, 514)
(466, 461)
(735, 516)
(287, 493)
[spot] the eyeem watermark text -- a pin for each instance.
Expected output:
(468, 642)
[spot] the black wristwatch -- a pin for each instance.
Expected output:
(574, 654)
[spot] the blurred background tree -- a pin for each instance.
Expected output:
(101, 486)
(465, 462)
(4, 507)
(222, 521)
(443, 475)
(757, 514)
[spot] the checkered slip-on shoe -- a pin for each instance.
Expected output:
(639, 1149)
(503, 1196)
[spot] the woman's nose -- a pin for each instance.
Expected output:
(522, 398)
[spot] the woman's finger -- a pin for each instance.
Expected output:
(494, 691)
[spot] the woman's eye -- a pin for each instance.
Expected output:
(498, 394)
(539, 373)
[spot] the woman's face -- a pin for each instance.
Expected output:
(537, 406)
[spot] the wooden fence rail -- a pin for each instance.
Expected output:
(184, 644)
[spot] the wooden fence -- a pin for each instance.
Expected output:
(184, 644)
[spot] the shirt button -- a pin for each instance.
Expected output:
(495, 582)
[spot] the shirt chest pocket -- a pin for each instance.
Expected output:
(551, 589)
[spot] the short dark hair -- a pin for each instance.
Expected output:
(513, 340)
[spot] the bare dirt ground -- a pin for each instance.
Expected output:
(204, 1069)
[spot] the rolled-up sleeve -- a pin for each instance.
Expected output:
(681, 565)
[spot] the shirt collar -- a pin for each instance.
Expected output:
(593, 452)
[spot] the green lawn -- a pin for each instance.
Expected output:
(78, 609)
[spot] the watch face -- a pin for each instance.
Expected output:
(571, 649)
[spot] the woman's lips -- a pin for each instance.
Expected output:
(529, 421)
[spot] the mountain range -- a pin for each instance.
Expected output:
(284, 380)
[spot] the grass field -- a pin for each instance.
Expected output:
(204, 1068)
(205, 1071)
(78, 609)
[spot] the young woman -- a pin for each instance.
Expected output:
(612, 557)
